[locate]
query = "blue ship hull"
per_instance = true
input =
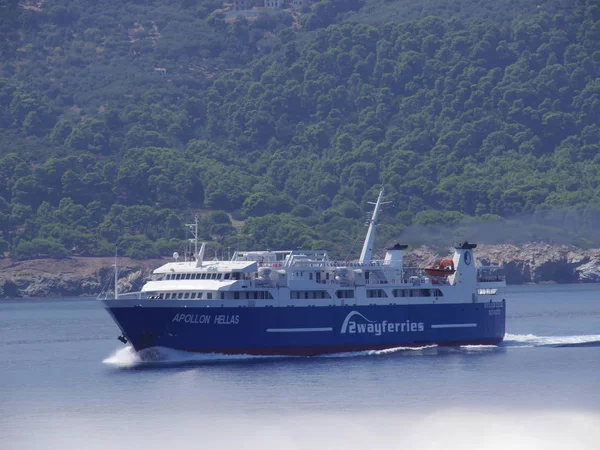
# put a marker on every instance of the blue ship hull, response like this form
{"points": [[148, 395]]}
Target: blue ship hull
{"points": [[309, 331]]}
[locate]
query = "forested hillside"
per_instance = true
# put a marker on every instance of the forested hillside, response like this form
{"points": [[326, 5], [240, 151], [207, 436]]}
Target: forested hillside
{"points": [[121, 120]]}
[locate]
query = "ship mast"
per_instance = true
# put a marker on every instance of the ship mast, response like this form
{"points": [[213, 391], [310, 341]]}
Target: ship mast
{"points": [[367, 250], [194, 228]]}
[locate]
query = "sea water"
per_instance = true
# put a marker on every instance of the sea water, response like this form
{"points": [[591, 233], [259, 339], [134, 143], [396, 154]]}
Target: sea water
{"points": [[67, 383]]}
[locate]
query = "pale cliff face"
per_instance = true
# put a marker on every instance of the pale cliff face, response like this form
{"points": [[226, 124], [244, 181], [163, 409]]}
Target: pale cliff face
{"points": [[77, 276], [528, 263]]}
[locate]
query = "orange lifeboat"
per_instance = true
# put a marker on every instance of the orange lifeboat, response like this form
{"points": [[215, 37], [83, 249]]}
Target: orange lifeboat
{"points": [[443, 269]]}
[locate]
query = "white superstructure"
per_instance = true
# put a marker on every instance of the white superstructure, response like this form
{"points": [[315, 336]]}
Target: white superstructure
{"points": [[311, 278]]}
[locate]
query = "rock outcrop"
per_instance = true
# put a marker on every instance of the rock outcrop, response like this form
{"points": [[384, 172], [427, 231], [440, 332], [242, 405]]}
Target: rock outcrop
{"points": [[528, 263], [70, 277]]}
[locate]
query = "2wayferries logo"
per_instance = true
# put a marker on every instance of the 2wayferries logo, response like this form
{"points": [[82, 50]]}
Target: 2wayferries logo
{"points": [[366, 326]]}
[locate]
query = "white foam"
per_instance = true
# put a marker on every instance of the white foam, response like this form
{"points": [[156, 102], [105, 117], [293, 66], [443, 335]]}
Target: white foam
{"points": [[531, 340], [123, 357], [386, 351], [399, 349], [128, 357], [478, 348]]}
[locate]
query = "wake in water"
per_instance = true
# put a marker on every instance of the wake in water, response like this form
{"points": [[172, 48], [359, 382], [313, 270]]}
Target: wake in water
{"points": [[531, 340], [128, 357], [387, 351]]}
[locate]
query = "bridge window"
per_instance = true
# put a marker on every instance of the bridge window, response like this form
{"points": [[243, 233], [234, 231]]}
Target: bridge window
{"points": [[487, 291], [227, 276], [209, 296]]}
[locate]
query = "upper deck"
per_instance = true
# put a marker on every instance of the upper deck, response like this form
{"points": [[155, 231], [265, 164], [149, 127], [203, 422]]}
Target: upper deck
{"points": [[284, 275]]}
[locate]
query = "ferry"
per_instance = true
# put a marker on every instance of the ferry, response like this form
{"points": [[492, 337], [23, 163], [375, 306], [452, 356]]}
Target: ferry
{"points": [[303, 303]]}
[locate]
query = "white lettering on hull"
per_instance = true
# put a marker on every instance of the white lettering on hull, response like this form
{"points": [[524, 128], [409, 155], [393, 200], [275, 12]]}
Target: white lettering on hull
{"points": [[204, 319], [378, 328]]}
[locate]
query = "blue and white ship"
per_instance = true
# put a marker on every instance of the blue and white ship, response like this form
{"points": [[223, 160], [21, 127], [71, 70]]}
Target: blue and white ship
{"points": [[301, 302]]}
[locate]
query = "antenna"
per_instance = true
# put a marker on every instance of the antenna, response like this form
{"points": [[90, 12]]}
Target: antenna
{"points": [[367, 250], [194, 228]]}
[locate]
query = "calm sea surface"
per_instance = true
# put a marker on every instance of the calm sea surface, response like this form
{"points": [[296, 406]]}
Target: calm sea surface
{"points": [[66, 382]]}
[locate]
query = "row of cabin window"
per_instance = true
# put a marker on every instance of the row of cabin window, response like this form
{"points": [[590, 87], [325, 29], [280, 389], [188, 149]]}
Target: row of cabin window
{"points": [[204, 276], [183, 295], [261, 295], [294, 295], [417, 293], [252, 295], [380, 293], [248, 295]]}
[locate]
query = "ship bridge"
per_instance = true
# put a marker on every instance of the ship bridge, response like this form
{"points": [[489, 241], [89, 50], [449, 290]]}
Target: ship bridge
{"points": [[193, 267]]}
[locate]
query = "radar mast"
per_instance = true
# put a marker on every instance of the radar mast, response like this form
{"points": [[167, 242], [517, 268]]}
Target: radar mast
{"points": [[194, 228], [367, 250]]}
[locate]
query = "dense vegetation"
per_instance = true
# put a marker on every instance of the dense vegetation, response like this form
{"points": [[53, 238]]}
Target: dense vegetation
{"points": [[120, 121]]}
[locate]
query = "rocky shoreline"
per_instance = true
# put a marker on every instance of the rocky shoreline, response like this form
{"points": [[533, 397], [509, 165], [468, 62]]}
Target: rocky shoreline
{"points": [[532, 263], [79, 276]]}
